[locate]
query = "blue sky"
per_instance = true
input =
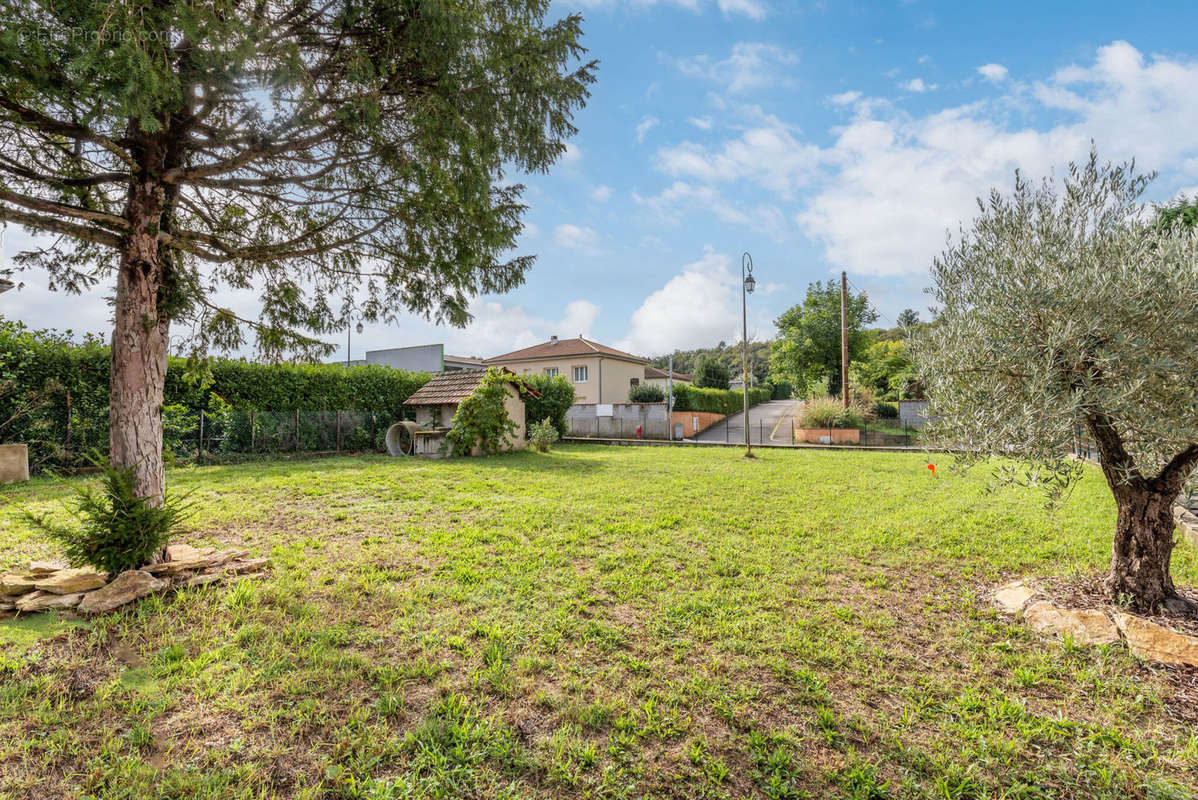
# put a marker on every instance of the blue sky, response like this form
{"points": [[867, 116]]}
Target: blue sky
{"points": [[817, 136]]}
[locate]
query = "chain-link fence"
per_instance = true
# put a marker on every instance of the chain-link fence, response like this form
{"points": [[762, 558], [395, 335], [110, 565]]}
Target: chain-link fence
{"points": [[238, 432], [895, 433]]}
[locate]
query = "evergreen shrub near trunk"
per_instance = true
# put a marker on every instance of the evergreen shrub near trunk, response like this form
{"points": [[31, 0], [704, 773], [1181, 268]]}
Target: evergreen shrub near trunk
{"points": [[1066, 311]]}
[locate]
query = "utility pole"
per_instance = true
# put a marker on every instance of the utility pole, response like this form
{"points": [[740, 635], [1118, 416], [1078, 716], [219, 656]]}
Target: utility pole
{"points": [[670, 398], [844, 338]]}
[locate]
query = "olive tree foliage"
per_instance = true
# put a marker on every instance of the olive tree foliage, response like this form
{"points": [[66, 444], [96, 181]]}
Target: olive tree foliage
{"points": [[1064, 310]]}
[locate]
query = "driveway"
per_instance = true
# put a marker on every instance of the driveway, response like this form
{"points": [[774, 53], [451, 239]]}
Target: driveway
{"points": [[765, 420]]}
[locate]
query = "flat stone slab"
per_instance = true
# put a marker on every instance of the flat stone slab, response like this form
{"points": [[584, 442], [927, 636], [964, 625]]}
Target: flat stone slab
{"points": [[1153, 642], [1083, 625], [127, 587], [44, 601], [1012, 597], [69, 581], [12, 585], [43, 568]]}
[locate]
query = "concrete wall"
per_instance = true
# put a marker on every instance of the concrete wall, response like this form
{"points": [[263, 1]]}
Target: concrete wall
{"points": [[913, 412], [14, 463], [616, 377], [620, 420]]}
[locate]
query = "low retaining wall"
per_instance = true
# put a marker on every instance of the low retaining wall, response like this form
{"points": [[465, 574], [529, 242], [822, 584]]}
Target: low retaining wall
{"points": [[621, 420], [828, 435]]}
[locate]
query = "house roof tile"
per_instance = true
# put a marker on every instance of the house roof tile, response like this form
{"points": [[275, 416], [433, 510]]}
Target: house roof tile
{"points": [[565, 348], [654, 372]]}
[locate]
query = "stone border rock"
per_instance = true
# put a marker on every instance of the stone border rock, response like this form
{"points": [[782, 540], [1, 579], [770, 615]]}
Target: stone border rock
{"points": [[1091, 626], [49, 585]]}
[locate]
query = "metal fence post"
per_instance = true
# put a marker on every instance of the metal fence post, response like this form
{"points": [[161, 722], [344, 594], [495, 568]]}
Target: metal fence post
{"points": [[200, 445], [297, 437], [253, 430], [338, 431]]}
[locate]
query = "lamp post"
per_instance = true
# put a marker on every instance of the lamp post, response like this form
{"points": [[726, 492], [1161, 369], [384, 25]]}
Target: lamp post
{"points": [[748, 284], [348, 333]]}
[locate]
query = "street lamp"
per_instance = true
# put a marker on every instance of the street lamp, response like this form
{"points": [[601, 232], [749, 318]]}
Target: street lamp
{"points": [[347, 341], [748, 284]]}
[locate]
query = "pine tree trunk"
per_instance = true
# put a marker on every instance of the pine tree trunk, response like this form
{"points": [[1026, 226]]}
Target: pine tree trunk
{"points": [[1139, 576], [139, 349]]}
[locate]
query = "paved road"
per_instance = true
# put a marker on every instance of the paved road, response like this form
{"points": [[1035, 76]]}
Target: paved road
{"points": [[763, 419]]}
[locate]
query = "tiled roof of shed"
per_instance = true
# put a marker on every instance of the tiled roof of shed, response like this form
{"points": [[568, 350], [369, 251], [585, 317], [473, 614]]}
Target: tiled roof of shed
{"points": [[654, 372], [454, 387]]}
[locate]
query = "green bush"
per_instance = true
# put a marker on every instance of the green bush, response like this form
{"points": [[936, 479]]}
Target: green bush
{"points": [[116, 531], [557, 395], [542, 434], [712, 374], [71, 418], [886, 411], [646, 393], [826, 412], [717, 401]]}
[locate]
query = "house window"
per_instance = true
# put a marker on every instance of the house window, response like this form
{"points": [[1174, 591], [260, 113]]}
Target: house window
{"points": [[634, 381], [552, 372], [580, 374]]}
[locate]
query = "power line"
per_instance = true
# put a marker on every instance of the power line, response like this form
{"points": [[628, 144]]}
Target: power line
{"points": [[875, 309]]}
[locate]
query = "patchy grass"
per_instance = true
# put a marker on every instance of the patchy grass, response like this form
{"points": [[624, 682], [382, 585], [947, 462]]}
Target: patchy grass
{"points": [[596, 623]]}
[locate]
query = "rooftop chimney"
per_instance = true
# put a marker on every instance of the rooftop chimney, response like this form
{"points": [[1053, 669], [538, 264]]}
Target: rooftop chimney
{"points": [[552, 340]]}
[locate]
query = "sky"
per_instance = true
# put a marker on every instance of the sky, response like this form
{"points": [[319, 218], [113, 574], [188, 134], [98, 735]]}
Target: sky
{"points": [[817, 136]]}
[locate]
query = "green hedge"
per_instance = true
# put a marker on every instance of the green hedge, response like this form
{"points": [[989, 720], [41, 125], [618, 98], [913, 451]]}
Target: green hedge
{"points": [[718, 401], [55, 391]]}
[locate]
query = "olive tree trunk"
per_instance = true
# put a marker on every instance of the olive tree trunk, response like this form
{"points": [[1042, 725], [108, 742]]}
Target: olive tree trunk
{"points": [[1139, 575], [139, 348]]}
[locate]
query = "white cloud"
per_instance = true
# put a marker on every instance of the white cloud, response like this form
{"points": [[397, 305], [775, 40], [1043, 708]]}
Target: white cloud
{"points": [[644, 126], [753, 9], [897, 182], [845, 98], [601, 193], [918, 85], [497, 328], [572, 155], [670, 204], [574, 237], [667, 320], [749, 66], [702, 123], [768, 153], [993, 72]]}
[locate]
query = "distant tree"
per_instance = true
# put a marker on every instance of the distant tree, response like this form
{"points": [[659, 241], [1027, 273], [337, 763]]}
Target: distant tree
{"points": [[808, 345], [887, 368], [712, 374], [907, 317], [1181, 213], [1065, 312], [336, 158]]}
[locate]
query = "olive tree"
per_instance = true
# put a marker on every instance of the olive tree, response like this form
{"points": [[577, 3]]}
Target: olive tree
{"points": [[1065, 312], [331, 158]]}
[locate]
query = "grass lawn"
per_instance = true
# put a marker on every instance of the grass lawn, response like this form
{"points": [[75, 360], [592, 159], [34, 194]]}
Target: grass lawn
{"points": [[598, 622]]}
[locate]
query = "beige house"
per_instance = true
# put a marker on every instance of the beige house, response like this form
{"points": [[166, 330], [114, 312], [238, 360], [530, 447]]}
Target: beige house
{"points": [[661, 377], [437, 401], [600, 374]]}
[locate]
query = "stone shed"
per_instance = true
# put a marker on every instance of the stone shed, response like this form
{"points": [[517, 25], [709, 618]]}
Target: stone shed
{"points": [[437, 401]]}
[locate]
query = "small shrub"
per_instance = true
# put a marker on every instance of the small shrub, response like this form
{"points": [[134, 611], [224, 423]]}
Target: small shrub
{"points": [[646, 393], [116, 531], [542, 434], [826, 412], [886, 411]]}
